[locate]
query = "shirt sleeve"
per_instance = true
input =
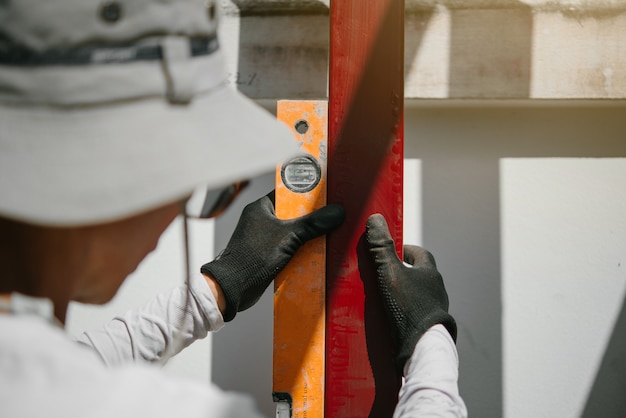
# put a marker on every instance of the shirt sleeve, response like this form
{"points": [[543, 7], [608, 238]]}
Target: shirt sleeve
{"points": [[160, 329], [430, 387]]}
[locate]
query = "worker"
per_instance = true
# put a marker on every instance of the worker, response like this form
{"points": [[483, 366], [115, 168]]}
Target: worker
{"points": [[115, 118]]}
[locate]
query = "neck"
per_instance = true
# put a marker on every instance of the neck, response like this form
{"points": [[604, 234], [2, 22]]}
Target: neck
{"points": [[37, 262]]}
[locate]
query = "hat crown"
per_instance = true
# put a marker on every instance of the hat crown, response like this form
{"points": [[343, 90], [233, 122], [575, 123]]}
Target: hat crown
{"points": [[52, 24], [109, 108]]}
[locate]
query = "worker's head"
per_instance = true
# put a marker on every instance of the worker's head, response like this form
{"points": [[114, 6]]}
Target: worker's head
{"points": [[109, 108], [112, 112]]}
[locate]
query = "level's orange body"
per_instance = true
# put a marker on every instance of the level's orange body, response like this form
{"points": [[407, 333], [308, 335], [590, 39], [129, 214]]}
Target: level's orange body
{"points": [[300, 289]]}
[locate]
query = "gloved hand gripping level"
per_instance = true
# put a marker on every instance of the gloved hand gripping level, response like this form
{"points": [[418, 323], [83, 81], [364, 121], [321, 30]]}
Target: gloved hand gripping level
{"points": [[261, 247]]}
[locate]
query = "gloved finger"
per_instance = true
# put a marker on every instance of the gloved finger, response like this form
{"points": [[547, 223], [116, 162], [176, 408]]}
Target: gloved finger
{"points": [[380, 242], [319, 222], [418, 256], [264, 204]]}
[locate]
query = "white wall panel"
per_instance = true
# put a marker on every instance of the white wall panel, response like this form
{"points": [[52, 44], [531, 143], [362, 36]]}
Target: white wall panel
{"points": [[563, 279]]}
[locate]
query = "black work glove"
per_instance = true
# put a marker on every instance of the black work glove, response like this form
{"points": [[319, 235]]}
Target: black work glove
{"points": [[261, 247], [414, 297]]}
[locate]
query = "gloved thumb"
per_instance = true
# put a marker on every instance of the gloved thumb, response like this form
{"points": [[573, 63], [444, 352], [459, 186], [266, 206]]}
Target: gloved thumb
{"points": [[379, 240], [320, 222], [418, 257]]}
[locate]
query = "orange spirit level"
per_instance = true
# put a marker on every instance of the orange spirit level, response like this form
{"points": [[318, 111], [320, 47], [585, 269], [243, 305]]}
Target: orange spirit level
{"points": [[300, 289]]}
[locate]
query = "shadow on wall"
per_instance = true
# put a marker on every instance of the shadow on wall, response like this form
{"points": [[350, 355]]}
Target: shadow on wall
{"points": [[606, 398]]}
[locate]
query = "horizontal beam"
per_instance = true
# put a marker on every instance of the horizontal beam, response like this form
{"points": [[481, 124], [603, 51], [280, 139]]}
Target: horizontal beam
{"points": [[268, 7], [454, 49]]}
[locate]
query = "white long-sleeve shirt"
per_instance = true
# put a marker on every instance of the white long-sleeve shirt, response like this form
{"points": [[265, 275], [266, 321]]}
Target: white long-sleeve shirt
{"points": [[111, 372], [430, 387]]}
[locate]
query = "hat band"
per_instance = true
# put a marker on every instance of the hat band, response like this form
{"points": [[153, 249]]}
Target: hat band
{"points": [[175, 67], [101, 54]]}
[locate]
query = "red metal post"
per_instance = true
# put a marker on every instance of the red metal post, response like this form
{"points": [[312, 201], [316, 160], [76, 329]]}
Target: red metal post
{"points": [[365, 163]]}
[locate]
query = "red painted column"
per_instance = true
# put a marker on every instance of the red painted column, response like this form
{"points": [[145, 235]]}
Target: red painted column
{"points": [[365, 163]]}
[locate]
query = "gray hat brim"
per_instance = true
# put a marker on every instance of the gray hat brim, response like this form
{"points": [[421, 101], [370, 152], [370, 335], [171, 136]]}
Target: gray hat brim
{"points": [[69, 167]]}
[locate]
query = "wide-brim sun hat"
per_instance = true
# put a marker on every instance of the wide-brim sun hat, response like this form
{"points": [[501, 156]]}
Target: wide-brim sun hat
{"points": [[109, 109]]}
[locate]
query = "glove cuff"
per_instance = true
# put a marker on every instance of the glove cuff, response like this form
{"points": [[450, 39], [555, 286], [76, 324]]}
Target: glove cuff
{"points": [[407, 345], [232, 270], [214, 270]]}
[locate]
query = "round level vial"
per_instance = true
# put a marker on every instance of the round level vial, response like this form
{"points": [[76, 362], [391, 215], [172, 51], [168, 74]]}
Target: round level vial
{"points": [[301, 174]]}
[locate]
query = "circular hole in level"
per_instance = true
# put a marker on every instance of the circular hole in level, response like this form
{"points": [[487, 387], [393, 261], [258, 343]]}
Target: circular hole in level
{"points": [[302, 126]]}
